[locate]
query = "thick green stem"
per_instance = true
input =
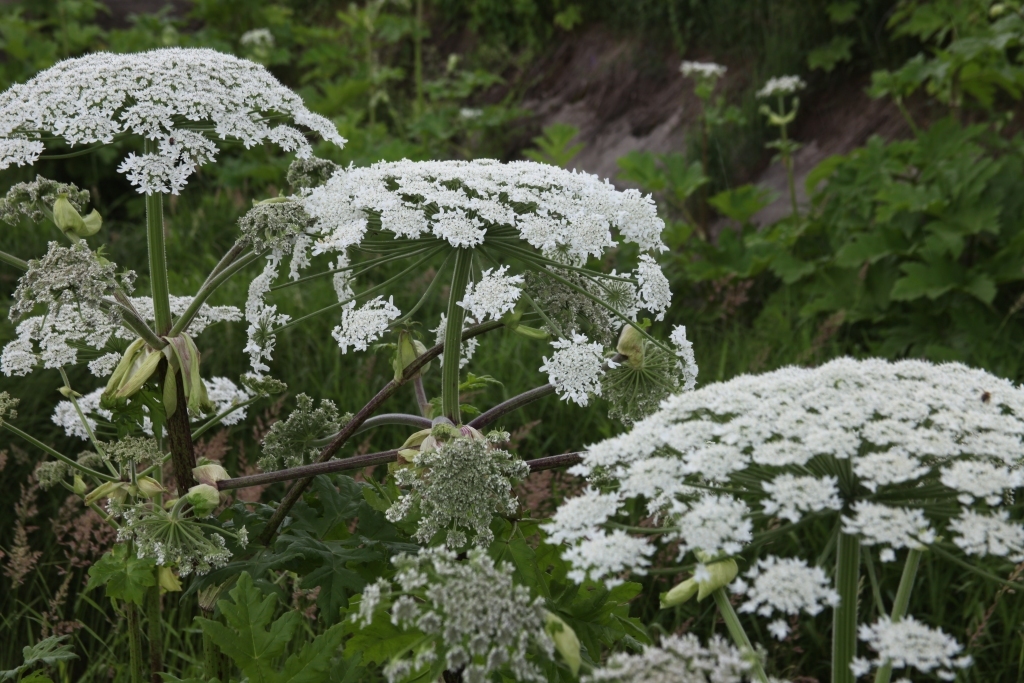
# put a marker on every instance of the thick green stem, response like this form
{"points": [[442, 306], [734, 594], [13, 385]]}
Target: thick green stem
{"points": [[844, 618], [210, 659], [134, 642], [453, 337], [155, 632], [60, 456], [418, 57], [739, 636], [899, 606], [157, 256], [13, 261], [179, 436]]}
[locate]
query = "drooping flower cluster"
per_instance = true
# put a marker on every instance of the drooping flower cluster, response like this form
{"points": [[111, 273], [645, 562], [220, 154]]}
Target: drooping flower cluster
{"points": [[164, 95], [678, 659], [173, 538], [474, 618], [909, 644], [781, 85], [457, 487], [463, 201], [713, 462], [702, 69], [34, 199]]}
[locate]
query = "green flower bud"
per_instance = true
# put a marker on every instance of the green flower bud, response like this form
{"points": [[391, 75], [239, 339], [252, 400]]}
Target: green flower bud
{"points": [[114, 490], [407, 350], [631, 345], [93, 222], [722, 573], [566, 641], [68, 392], [210, 474], [67, 217], [679, 594], [79, 485], [204, 499], [168, 582], [149, 487]]}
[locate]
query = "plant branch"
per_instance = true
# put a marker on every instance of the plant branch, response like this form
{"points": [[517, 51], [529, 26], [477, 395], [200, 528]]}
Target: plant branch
{"points": [[451, 359], [60, 456], [844, 616], [739, 636], [511, 405], [357, 421], [369, 460], [13, 260], [204, 293]]}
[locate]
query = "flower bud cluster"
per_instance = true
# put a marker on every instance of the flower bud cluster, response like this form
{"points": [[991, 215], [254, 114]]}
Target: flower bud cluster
{"points": [[34, 199], [288, 443]]}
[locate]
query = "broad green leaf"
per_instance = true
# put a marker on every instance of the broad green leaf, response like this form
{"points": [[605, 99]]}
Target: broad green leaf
{"points": [[125, 576], [327, 567], [827, 56], [379, 641], [789, 268], [741, 203], [251, 638], [554, 145], [930, 280], [46, 652]]}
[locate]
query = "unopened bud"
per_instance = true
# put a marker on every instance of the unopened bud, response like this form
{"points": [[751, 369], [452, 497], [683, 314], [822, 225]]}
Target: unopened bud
{"points": [[79, 485], [720, 574], [115, 490], [566, 641], [631, 345], [680, 594], [407, 351], [66, 216], [149, 487], [68, 392], [204, 499], [167, 581], [210, 474]]}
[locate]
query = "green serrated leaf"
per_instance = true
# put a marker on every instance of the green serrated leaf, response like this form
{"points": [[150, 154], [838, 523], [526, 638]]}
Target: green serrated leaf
{"points": [[125, 576], [826, 57], [46, 652], [327, 566]]}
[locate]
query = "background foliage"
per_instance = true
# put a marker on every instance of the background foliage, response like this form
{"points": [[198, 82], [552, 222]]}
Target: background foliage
{"points": [[908, 248]]}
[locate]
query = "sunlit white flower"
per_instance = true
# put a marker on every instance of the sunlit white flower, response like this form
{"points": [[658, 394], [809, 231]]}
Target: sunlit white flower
{"points": [[105, 364], [580, 516], [994, 534], [655, 292], [607, 555], [702, 69], [785, 585], [575, 368], [493, 296], [678, 659], [97, 97], [360, 326], [909, 644], [781, 85], [791, 496], [891, 527], [225, 394]]}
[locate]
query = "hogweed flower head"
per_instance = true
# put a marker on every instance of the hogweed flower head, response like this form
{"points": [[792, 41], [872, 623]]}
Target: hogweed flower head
{"points": [[169, 95], [781, 85], [173, 537], [707, 70], [493, 296], [472, 615], [909, 644], [457, 486], [715, 464], [33, 200], [575, 368], [360, 326]]}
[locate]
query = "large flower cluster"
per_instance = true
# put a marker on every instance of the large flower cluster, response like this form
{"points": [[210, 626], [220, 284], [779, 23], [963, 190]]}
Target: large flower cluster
{"points": [[461, 201], [174, 96], [909, 644], [474, 618], [575, 368], [928, 451], [172, 538]]}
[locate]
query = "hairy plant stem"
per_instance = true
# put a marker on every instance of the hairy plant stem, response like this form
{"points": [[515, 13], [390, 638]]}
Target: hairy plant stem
{"points": [[131, 612], [210, 658], [379, 421], [13, 261], [155, 631], [357, 421], [738, 635], [899, 605], [179, 435], [452, 356], [844, 617], [512, 404]]}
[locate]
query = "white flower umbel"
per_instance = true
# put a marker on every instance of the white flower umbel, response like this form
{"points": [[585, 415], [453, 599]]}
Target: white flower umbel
{"points": [[580, 515], [702, 69], [105, 364], [493, 296], [168, 95], [781, 85], [909, 644], [262, 319], [908, 433], [678, 659], [575, 368], [608, 556], [360, 326], [463, 201], [225, 394], [466, 613], [66, 417], [785, 585], [684, 350]]}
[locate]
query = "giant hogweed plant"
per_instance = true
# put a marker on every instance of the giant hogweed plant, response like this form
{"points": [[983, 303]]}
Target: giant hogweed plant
{"points": [[518, 246]]}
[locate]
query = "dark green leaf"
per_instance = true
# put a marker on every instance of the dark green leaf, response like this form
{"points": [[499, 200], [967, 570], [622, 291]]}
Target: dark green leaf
{"points": [[125, 576]]}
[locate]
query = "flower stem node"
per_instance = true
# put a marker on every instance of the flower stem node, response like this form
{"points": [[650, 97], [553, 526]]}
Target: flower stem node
{"points": [[68, 392], [79, 485], [204, 499], [567, 643], [114, 490], [706, 580], [149, 487]]}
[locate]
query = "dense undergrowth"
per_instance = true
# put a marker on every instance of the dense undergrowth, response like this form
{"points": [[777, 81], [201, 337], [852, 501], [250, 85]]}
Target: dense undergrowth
{"points": [[908, 248]]}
